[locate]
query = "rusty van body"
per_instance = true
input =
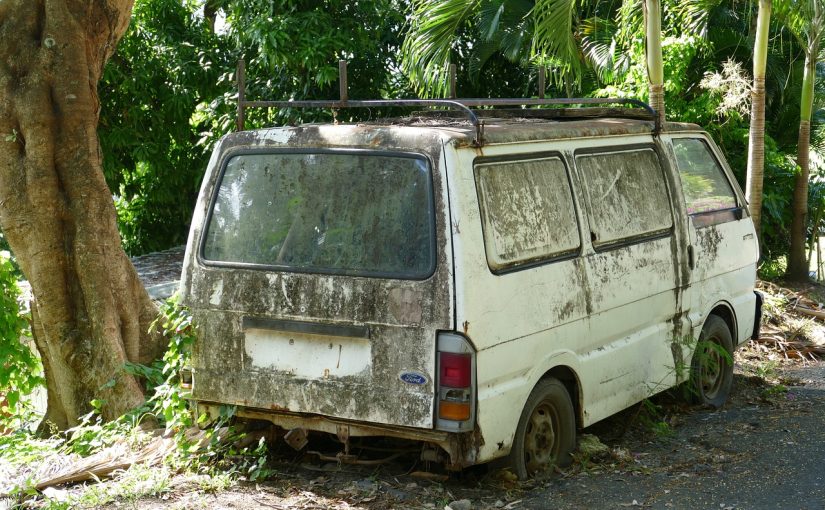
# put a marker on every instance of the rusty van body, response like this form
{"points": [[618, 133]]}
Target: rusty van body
{"points": [[485, 299]]}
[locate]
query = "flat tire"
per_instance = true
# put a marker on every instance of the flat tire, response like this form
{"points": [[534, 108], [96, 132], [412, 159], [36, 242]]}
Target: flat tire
{"points": [[546, 433], [711, 369]]}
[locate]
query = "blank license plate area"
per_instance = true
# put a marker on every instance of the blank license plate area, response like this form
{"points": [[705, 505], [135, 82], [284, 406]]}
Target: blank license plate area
{"points": [[307, 355]]}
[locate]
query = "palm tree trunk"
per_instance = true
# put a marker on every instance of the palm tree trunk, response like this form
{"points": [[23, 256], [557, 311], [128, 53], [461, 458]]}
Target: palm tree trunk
{"points": [[756, 141], [797, 262], [655, 64]]}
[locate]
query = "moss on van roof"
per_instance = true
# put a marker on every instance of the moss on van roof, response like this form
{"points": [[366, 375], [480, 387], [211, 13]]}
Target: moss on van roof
{"points": [[418, 131]]}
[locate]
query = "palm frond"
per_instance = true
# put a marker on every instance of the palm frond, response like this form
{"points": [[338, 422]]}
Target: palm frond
{"points": [[507, 22], [630, 21], [693, 16], [482, 52], [553, 38], [805, 19], [425, 52], [608, 59]]}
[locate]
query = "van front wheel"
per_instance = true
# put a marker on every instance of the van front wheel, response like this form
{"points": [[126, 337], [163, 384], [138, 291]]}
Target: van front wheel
{"points": [[546, 433], [711, 371]]}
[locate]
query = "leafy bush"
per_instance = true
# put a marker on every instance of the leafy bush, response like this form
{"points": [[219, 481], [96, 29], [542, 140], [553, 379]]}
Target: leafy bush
{"points": [[21, 371]]}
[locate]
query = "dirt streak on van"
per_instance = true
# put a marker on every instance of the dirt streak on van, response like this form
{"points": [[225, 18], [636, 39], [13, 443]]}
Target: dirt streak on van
{"points": [[394, 279]]}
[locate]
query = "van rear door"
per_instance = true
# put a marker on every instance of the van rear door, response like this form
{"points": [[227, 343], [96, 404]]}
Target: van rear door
{"points": [[319, 282]]}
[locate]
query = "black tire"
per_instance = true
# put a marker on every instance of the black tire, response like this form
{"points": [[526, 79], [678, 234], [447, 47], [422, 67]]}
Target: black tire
{"points": [[546, 433], [711, 370]]}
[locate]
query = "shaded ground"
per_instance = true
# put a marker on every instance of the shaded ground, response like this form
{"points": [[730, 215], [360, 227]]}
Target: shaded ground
{"points": [[764, 449]]}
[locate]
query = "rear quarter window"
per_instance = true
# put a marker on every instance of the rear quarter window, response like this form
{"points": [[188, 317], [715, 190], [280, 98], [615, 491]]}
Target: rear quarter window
{"points": [[704, 184], [527, 209]]}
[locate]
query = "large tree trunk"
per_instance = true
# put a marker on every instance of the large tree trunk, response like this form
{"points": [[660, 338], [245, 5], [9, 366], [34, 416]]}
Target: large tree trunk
{"points": [[797, 263], [91, 313], [756, 140], [655, 63]]}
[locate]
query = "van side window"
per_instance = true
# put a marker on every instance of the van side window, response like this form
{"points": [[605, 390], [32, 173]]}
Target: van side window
{"points": [[527, 211], [704, 183], [626, 195]]}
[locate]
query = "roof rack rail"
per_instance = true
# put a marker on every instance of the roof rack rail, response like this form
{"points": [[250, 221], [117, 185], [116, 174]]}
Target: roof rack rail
{"points": [[462, 105]]}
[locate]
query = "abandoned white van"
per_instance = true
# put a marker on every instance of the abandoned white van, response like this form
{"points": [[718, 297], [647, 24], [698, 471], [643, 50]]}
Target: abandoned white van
{"points": [[483, 285]]}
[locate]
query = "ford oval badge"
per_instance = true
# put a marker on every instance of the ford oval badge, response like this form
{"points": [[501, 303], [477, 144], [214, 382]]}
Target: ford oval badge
{"points": [[413, 378]]}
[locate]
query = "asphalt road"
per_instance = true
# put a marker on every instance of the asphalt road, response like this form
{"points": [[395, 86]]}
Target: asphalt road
{"points": [[752, 454]]}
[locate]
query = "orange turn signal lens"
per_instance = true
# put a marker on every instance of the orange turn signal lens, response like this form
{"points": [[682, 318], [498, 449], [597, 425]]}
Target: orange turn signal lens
{"points": [[458, 411]]}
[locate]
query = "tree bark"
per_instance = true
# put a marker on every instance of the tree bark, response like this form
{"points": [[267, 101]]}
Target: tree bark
{"points": [[90, 311], [797, 262], [756, 140], [210, 12]]}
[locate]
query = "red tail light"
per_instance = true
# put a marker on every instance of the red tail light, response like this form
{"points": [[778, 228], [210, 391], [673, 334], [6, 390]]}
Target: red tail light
{"points": [[456, 386], [456, 370]]}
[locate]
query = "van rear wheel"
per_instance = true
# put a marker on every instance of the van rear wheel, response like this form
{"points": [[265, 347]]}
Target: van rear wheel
{"points": [[711, 370], [546, 433]]}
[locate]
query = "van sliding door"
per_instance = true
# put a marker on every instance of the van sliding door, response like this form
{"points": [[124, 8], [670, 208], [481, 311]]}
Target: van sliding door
{"points": [[632, 274]]}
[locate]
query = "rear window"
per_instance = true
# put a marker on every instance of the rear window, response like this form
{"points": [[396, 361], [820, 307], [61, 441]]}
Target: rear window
{"points": [[353, 213]]}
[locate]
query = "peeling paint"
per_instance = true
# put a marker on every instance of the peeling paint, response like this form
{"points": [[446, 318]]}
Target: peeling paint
{"points": [[217, 293]]}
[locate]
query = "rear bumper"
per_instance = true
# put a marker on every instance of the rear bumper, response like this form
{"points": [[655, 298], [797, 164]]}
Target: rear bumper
{"points": [[757, 321], [461, 448]]}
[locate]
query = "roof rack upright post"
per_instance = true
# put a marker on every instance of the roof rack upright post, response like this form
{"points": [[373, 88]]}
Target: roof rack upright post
{"points": [[342, 82], [241, 77]]}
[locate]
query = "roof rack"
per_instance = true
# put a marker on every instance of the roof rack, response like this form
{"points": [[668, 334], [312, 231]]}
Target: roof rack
{"points": [[638, 110]]}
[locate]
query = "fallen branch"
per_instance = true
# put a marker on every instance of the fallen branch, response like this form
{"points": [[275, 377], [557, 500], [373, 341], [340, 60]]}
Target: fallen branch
{"points": [[63, 469], [819, 314]]}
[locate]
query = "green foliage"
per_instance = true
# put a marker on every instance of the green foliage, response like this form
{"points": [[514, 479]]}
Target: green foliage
{"points": [[4, 246], [165, 69], [21, 371], [772, 269], [211, 452], [169, 401], [169, 93], [291, 53], [168, 405], [653, 418]]}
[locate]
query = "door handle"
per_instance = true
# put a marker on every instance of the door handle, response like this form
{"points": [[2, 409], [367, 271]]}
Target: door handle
{"points": [[691, 260]]}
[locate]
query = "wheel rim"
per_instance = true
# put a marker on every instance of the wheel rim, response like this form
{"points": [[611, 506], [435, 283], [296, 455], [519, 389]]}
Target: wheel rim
{"points": [[541, 445], [712, 372]]}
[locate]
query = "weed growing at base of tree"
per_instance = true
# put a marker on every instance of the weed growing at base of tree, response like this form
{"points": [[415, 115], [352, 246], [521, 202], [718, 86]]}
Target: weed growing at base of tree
{"points": [[210, 455], [168, 407]]}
